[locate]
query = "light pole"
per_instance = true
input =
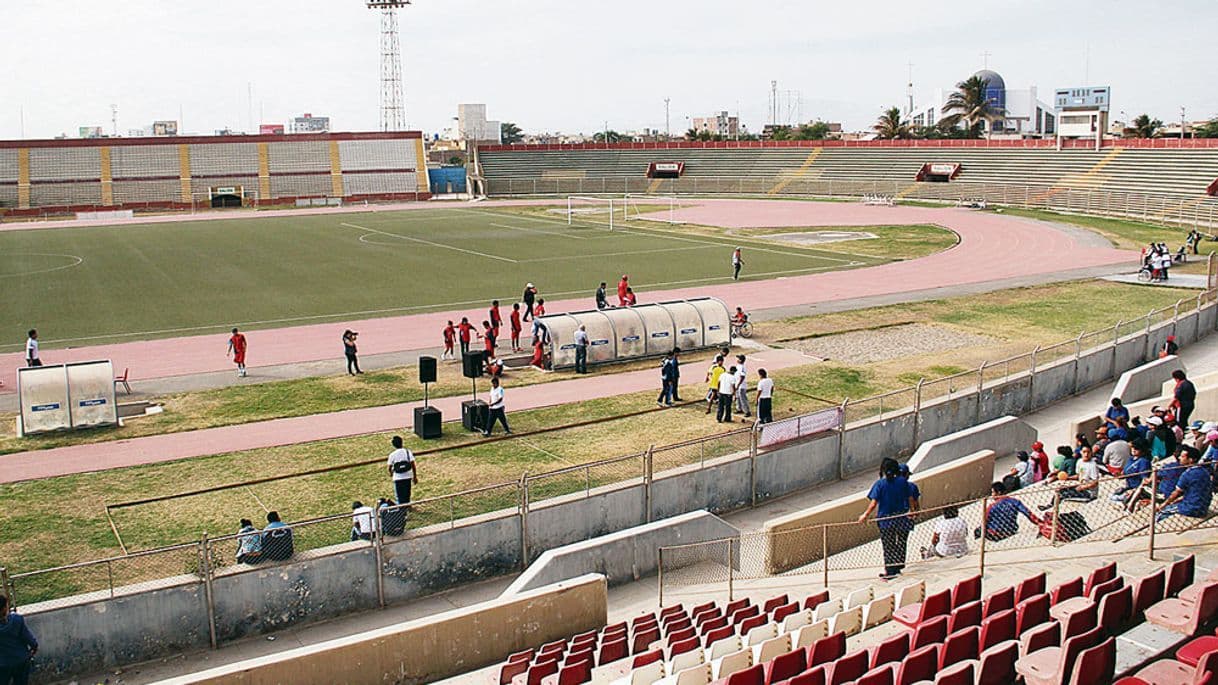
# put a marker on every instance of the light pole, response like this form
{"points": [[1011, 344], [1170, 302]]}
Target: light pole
{"points": [[667, 128], [1181, 123]]}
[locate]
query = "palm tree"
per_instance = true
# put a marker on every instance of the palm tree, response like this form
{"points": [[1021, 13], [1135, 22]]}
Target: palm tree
{"points": [[1207, 130], [510, 133], [691, 134], [1143, 126], [970, 105], [890, 125]]}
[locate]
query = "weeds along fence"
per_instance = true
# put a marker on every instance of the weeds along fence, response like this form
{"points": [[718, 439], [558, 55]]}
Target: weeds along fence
{"points": [[1069, 367], [1167, 209], [1037, 524]]}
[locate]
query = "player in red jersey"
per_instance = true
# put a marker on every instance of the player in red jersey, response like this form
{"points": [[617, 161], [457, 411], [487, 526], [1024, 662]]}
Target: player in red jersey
{"points": [[450, 337], [631, 300], [540, 308], [516, 326], [236, 347], [488, 336], [622, 286], [464, 331], [495, 317]]}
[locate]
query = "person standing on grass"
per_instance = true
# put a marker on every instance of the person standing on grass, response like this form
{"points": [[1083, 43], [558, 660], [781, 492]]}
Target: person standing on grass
{"points": [[676, 375], [602, 301], [17, 646], [665, 398], [236, 348], [891, 498], [403, 469], [581, 349], [31, 349], [498, 411], [528, 297], [712, 382], [465, 331], [350, 349], [727, 393], [742, 387], [450, 337], [765, 397], [622, 286], [737, 262], [516, 326], [495, 317]]}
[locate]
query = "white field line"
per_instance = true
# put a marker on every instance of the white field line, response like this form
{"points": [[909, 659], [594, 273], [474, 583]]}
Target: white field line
{"points": [[613, 254], [534, 230], [428, 242]]}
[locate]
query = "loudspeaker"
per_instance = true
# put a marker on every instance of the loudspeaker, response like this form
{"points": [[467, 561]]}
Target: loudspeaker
{"points": [[475, 414], [427, 369], [427, 421], [471, 364]]}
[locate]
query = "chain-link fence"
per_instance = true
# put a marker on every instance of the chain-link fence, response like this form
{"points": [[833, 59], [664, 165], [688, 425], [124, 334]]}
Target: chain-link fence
{"points": [[584, 479], [105, 578], [699, 452]]}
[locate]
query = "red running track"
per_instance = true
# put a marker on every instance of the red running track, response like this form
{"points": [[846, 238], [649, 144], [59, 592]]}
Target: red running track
{"points": [[991, 248]]}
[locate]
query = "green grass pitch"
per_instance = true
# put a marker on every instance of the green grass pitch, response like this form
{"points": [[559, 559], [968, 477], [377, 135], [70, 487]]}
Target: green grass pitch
{"points": [[105, 284]]}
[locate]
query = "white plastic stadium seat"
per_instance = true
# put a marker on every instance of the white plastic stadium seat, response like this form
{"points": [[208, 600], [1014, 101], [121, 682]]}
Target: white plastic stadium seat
{"points": [[812, 632], [733, 663], [878, 611], [859, 597], [760, 634], [771, 648], [849, 622], [689, 659], [911, 594], [724, 647], [697, 675], [828, 609], [796, 620]]}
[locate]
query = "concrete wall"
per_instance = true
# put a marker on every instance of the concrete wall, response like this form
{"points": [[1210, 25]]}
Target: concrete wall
{"points": [[419, 565], [864, 446], [432, 648], [798, 466], [795, 540], [1143, 382], [624, 556], [1004, 436]]}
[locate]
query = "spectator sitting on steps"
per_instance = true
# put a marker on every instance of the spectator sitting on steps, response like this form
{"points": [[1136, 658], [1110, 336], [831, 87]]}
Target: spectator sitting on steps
{"points": [[1002, 516], [249, 544], [276, 539]]}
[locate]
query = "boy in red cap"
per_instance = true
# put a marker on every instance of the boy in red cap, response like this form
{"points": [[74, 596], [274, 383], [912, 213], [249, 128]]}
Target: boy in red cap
{"points": [[1040, 460]]}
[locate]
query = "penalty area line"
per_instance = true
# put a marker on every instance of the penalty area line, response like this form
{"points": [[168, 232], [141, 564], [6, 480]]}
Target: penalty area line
{"points": [[428, 242]]}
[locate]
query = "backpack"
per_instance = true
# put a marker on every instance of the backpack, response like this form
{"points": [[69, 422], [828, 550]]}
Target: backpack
{"points": [[1071, 527], [1011, 483], [277, 543], [403, 466], [393, 521]]}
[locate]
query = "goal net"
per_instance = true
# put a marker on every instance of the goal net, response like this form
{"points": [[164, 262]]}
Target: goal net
{"points": [[591, 210], [661, 208]]}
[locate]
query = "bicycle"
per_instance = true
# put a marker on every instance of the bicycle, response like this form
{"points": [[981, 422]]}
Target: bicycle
{"points": [[743, 329]]}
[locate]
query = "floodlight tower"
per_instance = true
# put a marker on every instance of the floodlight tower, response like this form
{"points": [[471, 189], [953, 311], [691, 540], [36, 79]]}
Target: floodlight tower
{"points": [[393, 110]]}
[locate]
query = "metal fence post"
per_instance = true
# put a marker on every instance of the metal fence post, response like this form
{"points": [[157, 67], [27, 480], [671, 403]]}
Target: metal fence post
{"points": [[205, 570], [1154, 488], [1057, 501], [731, 558], [917, 427], [1116, 343], [378, 545], [1146, 342], [980, 386], [841, 443], [824, 555], [648, 474], [985, 527], [1078, 355], [660, 574], [523, 505], [1175, 316], [1032, 379], [753, 436]]}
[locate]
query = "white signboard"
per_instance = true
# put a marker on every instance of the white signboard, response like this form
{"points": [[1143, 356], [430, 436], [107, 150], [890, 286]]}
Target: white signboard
{"points": [[43, 393], [91, 393]]}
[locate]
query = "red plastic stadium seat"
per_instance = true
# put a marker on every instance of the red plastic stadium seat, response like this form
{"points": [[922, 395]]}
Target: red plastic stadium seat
{"points": [[959, 646], [1041, 637], [1182, 617], [815, 676], [1032, 612], [884, 675], [678, 625], [1053, 665], [612, 650], [1080, 622], [714, 625], [1191, 652], [784, 611], [1030, 587], [938, 604], [997, 664], [643, 639], [1116, 610], [683, 646], [773, 603], [816, 600], [732, 607], [1096, 665], [967, 590], [576, 673], [718, 634], [741, 614], [707, 615], [931, 632], [1148, 590], [511, 669], [964, 616], [647, 658], [754, 675], [643, 622], [998, 628], [1102, 574], [750, 623], [849, 668], [999, 601], [1172, 672], [1180, 575], [1068, 589], [680, 636], [826, 649], [786, 666], [541, 670], [919, 665], [960, 674], [671, 611], [890, 651]]}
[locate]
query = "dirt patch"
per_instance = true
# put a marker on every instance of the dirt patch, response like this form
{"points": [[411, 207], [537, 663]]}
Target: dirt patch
{"points": [[821, 237], [893, 342]]}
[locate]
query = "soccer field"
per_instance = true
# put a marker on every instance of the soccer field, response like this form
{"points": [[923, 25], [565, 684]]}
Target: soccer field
{"points": [[94, 285]]}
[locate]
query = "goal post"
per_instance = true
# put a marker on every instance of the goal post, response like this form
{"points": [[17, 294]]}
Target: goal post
{"points": [[637, 207], [599, 210]]}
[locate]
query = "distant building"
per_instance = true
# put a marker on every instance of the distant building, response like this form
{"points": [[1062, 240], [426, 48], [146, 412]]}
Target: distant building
{"points": [[90, 132], [307, 123], [720, 124], [473, 126], [1024, 115], [164, 128], [271, 129]]}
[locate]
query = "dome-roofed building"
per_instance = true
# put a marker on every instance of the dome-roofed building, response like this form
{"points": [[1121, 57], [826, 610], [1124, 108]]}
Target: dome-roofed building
{"points": [[1023, 114]]}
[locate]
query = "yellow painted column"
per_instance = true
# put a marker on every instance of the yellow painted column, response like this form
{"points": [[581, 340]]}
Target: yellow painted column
{"points": [[107, 178], [23, 178], [184, 171], [264, 172], [422, 184], [336, 170]]}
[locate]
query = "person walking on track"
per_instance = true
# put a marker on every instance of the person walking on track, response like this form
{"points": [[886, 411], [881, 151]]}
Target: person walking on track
{"points": [[31, 349], [528, 297], [236, 348], [737, 262]]}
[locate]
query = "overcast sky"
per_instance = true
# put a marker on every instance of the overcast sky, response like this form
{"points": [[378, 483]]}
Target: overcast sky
{"points": [[569, 65]]}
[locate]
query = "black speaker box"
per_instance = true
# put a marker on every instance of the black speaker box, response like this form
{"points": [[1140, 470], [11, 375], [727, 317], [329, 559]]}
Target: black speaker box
{"points": [[472, 364], [427, 369], [475, 414], [427, 422]]}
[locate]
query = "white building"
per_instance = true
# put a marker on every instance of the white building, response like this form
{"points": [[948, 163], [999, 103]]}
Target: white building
{"points": [[310, 124], [721, 124], [472, 125], [1024, 114]]}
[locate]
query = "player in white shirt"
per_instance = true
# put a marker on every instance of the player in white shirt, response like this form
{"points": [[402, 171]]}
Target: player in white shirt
{"points": [[497, 409], [727, 393], [31, 349], [742, 387], [765, 397], [404, 470]]}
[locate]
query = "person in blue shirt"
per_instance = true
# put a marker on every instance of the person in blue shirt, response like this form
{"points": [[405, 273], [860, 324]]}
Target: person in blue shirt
{"points": [[1135, 469], [249, 544], [1168, 474], [1002, 516], [1117, 411], [276, 539], [891, 499], [17, 646], [1194, 491]]}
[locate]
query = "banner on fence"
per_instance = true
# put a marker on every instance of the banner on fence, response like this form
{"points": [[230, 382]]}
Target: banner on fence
{"points": [[800, 427]]}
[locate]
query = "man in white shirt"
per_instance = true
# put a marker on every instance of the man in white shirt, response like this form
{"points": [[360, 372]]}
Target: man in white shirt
{"points": [[31, 349], [361, 521], [404, 470], [727, 393], [765, 397], [497, 409], [742, 387], [951, 536], [581, 350]]}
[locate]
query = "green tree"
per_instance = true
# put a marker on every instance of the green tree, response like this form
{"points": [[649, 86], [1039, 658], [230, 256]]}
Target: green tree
{"points": [[610, 136], [1143, 126], [691, 134], [781, 133], [1207, 130], [817, 130], [510, 133], [890, 125], [970, 106]]}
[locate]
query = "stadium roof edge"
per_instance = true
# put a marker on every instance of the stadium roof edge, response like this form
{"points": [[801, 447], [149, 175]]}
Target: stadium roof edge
{"points": [[208, 140], [1042, 144]]}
